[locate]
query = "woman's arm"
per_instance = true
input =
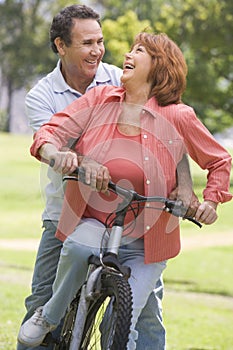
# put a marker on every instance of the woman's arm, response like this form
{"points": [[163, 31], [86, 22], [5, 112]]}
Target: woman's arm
{"points": [[209, 155]]}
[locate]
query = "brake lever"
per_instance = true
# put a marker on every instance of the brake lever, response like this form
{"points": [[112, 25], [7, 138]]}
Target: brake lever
{"points": [[177, 209], [189, 218]]}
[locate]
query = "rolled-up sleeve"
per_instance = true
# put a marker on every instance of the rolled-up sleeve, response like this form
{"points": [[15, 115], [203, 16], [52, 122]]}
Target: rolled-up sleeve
{"points": [[209, 155], [62, 127], [71, 122]]}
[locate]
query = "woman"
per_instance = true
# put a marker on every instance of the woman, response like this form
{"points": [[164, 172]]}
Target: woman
{"points": [[138, 135]]}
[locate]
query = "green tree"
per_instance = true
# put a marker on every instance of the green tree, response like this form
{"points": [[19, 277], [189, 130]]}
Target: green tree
{"points": [[203, 30], [24, 45], [113, 9], [120, 34]]}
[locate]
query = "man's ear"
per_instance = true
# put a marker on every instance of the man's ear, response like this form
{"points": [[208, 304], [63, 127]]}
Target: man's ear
{"points": [[60, 45]]}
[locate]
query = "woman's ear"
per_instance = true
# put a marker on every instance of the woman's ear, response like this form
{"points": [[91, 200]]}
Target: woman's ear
{"points": [[60, 45]]}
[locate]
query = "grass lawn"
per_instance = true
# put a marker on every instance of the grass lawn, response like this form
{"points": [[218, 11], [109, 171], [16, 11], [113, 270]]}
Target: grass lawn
{"points": [[198, 321], [15, 278], [198, 301]]}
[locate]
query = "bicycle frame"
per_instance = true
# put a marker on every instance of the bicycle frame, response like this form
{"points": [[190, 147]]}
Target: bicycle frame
{"points": [[108, 262], [87, 290]]}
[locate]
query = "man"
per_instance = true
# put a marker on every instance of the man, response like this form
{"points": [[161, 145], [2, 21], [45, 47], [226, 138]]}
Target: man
{"points": [[77, 38]]}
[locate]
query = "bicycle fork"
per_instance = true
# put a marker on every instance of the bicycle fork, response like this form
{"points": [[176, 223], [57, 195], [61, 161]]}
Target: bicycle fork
{"points": [[92, 276], [85, 297]]}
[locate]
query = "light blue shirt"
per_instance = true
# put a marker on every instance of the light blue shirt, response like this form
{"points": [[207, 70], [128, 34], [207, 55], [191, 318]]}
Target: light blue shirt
{"points": [[49, 96]]}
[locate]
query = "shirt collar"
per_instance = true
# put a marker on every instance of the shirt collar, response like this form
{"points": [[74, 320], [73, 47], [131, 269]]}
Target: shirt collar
{"points": [[101, 77], [151, 107], [60, 85]]}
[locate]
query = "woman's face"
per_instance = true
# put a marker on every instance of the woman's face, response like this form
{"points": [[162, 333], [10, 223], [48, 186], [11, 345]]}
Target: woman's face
{"points": [[137, 65]]}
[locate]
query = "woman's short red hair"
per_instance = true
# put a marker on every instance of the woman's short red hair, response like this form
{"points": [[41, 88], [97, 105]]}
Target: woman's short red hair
{"points": [[169, 69]]}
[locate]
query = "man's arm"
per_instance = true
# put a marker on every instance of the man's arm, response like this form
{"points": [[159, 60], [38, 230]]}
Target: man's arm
{"points": [[184, 189]]}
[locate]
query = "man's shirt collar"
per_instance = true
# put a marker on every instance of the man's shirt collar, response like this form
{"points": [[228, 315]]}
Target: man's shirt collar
{"points": [[60, 85]]}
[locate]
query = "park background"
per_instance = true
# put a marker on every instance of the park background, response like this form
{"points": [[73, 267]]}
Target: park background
{"points": [[198, 302]]}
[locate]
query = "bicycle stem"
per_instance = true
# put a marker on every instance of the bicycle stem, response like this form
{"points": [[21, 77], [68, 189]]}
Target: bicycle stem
{"points": [[117, 229], [114, 240]]}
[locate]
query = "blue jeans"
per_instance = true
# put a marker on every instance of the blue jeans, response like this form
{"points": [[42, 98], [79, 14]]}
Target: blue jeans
{"points": [[151, 331], [142, 281], [150, 327]]}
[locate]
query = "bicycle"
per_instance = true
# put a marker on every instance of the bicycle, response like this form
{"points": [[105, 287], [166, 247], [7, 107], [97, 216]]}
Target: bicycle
{"points": [[99, 317]]}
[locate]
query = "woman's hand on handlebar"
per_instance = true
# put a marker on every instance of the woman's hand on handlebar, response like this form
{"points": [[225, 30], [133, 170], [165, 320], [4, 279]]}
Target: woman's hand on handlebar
{"points": [[96, 175]]}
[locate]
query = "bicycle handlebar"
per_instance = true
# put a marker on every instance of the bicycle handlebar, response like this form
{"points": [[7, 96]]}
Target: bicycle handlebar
{"points": [[174, 207]]}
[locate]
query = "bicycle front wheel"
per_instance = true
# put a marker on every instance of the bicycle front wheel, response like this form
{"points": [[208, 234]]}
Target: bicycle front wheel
{"points": [[109, 315], [68, 325]]}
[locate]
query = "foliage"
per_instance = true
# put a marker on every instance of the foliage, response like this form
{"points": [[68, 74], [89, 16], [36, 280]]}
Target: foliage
{"points": [[204, 31], [24, 43], [115, 8], [120, 34], [24, 38]]}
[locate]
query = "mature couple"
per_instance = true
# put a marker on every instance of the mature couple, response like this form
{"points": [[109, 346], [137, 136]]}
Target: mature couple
{"points": [[134, 126]]}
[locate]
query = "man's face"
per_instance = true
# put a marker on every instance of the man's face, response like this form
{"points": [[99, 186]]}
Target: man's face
{"points": [[82, 57]]}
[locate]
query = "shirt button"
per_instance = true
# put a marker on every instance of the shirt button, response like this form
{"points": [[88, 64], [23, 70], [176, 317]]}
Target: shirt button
{"points": [[147, 227], [147, 182], [170, 142], [146, 158], [145, 136], [147, 205]]}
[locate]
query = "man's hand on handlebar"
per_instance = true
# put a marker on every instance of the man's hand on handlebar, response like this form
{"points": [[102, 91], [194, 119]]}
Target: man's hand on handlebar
{"points": [[64, 162], [188, 198], [204, 212]]}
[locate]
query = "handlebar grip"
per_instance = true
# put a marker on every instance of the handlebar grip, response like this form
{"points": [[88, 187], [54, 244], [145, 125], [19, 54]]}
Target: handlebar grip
{"points": [[78, 171]]}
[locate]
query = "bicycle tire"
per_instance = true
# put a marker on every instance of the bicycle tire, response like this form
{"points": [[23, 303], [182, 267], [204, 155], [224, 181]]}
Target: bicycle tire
{"points": [[68, 326], [108, 329]]}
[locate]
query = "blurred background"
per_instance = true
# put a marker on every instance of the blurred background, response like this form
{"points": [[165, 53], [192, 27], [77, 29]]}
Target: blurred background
{"points": [[203, 30], [198, 302]]}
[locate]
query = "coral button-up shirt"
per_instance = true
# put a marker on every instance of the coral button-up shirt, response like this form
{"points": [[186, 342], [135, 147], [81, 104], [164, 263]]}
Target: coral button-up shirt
{"points": [[166, 134]]}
